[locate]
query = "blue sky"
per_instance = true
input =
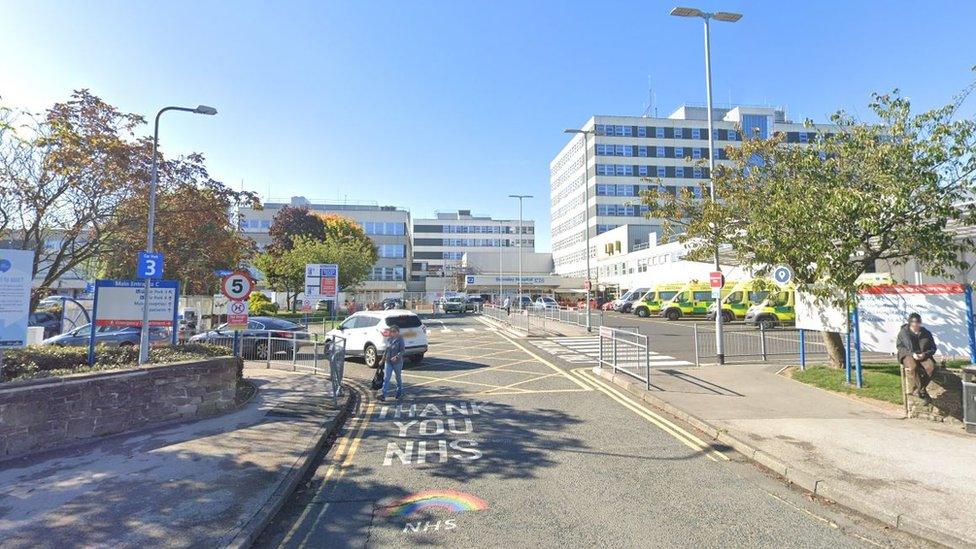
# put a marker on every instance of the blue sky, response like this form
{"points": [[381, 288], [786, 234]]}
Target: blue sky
{"points": [[441, 105]]}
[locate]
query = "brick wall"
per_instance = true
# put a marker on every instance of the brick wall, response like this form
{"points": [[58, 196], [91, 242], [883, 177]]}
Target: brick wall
{"points": [[42, 414]]}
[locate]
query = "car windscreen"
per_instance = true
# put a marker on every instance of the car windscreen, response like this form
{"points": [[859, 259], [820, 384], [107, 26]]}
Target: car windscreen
{"points": [[666, 296], [403, 321]]}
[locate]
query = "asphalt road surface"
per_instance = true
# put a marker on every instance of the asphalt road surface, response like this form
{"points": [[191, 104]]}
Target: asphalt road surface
{"points": [[498, 444]]}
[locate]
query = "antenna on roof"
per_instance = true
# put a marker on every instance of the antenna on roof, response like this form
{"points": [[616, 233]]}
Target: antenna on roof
{"points": [[650, 99]]}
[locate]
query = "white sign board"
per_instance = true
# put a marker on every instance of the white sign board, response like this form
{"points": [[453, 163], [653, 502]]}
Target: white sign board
{"points": [[882, 310], [820, 315], [120, 302], [15, 286], [321, 284]]}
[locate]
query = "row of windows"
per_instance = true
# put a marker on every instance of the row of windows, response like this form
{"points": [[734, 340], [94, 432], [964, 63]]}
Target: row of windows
{"points": [[623, 210], [604, 189], [487, 229], [641, 151], [255, 224], [665, 132], [652, 171], [392, 250], [601, 228], [387, 273], [384, 228]]}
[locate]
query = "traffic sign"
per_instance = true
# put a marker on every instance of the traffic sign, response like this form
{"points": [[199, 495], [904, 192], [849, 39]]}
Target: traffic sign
{"points": [[236, 286], [236, 315], [150, 265], [782, 274], [716, 279]]}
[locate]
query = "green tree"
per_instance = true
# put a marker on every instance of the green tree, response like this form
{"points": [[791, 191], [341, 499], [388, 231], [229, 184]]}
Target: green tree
{"points": [[260, 305], [286, 271], [890, 190], [290, 222]]}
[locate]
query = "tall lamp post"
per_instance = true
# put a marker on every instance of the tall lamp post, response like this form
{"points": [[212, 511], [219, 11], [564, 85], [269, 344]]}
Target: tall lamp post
{"points": [[727, 17], [144, 334], [519, 240], [586, 213]]}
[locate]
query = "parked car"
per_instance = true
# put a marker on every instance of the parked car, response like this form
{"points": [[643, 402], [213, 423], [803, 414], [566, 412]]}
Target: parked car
{"points": [[392, 303], [474, 303], [113, 336], [522, 302], [454, 305], [283, 336], [545, 303], [366, 332]]}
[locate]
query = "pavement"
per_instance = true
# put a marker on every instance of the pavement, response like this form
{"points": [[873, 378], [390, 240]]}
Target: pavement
{"points": [[496, 445], [913, 475], [211, 483]]}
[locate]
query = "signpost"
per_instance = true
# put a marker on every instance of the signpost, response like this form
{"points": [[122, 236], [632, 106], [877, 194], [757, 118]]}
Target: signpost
{"points": [[122, 302], [717, 281], [15, 287], [321, 284], [237, 286]]}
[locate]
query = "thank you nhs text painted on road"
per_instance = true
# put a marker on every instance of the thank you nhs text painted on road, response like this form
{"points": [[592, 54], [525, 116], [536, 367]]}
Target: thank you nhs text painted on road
{"points": [[432, 433]]}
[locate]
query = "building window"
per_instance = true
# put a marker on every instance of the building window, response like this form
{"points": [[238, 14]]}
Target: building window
{"points": [[679, 171], [804, 138], [679, 133], [696, 153], [659, 133], [662, 171], [641, 131], [660, 152], [679, 152], [696, 133], [698, 174]]}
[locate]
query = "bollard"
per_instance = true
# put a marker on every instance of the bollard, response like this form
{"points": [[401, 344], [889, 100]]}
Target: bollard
{"points": [[315, 357], [697, 358], [762, 341], [803, 350], [269, 351], [647, 361], [613, 345]]}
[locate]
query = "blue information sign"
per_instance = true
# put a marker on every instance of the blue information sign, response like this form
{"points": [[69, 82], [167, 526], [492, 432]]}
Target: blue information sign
{"points": [[150, 265]]}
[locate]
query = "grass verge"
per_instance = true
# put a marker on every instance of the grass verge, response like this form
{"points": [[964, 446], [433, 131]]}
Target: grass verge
{"points": [[882, 380]]}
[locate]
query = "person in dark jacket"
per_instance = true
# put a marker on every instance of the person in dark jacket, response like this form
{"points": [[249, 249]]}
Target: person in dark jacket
{"points": [[916, 347], [393, 358]]}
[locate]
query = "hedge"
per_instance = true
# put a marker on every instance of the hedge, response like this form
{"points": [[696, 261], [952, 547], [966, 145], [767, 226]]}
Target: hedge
{"points": [[50, 360]]}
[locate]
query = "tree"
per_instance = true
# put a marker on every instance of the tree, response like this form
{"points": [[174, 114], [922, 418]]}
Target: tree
{"points": [[260, 305], [890, 190], [286, 271], [348, 231], [194, 228], [290, 222], [62, 174]]}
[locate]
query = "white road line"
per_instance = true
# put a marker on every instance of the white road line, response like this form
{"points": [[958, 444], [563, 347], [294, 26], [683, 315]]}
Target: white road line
{"points": [[587, 349]]}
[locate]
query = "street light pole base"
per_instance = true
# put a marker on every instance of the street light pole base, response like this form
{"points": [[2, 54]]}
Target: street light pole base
{"points": [[720, 359]]}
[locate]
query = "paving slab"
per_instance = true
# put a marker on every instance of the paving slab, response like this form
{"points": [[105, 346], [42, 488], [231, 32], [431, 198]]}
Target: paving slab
{"points": [[212, 483], [915, 475]]}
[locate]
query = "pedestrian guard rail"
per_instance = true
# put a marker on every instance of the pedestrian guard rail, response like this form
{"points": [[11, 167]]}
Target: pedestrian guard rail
{"points": [[538, 321], [627, 352], [314, 353], [759, 343]]}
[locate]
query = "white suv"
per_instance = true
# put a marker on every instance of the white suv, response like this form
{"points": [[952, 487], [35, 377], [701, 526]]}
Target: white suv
{"points": [[365, 333]]}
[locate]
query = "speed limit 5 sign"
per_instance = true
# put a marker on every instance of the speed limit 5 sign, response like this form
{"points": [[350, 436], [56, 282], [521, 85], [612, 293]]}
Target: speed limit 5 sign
{"points": [[236, 286]]}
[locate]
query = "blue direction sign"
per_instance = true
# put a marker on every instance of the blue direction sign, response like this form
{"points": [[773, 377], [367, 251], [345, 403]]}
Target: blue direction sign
{"points": [[150, 265], [782, 274], [223, 272]]}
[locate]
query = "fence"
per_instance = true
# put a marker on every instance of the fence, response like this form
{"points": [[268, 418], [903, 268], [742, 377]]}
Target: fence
{"points": [[763, 344], [535, 321], [625, 352], [297, 351]]}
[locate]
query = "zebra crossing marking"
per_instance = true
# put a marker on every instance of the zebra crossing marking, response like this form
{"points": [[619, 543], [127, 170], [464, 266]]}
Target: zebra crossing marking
{"points": [[586, 350]]}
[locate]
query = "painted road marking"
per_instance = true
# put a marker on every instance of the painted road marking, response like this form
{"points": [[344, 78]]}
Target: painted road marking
{"points": [[341, 460], [685, 437], [586, 350], [542, 360]]}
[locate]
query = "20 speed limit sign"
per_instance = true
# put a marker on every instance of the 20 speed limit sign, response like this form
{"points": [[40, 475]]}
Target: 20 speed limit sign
{"points": [[236, 286]]}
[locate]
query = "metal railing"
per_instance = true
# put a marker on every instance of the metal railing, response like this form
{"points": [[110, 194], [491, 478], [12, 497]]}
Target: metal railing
{"points": [[759, 343], [625, 352], [317, 354], [537, 321]]}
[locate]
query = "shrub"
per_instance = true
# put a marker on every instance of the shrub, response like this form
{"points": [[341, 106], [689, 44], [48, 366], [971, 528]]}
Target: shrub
{"points": [[44, 361], [260, 305]]}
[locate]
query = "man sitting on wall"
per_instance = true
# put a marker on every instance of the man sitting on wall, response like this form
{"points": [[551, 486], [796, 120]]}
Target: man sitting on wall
{"points": [[916, 347]]}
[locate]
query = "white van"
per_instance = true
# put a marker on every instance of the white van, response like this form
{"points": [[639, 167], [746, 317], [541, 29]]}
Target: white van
{"points": [[365, 333]]}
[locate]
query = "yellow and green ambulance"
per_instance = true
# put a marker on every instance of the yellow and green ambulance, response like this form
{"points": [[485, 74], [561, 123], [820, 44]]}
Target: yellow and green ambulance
{"points": [[692, 300], [777, 309], [650, 303], [741, 297]]}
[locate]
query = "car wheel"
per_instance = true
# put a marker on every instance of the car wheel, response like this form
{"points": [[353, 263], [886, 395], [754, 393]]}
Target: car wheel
{"points": [[673, 314], [727, 317], [768, 323], [643, 312], [126, 344], [370, 356], [415, 359], [261, 350]]}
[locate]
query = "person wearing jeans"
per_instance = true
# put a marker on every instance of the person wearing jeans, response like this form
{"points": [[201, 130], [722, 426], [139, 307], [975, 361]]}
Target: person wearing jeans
{"points": [[394, 362], [916, 347]]}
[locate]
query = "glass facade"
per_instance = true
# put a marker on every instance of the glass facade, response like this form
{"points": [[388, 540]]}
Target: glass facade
{"points": [[392, 274], [396, 251], [379, 228]]}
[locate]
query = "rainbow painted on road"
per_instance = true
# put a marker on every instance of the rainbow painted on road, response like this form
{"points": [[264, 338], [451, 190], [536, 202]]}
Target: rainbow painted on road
{"points": [[429, 501]]}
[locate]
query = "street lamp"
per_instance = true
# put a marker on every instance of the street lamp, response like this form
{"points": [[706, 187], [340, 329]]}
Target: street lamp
{"points": [[728, 17], [144, 335], [586, 212], [519, 240]]}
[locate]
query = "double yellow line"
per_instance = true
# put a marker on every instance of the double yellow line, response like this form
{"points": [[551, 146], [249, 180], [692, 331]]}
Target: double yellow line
{"points": [[683, 436], [341, 459]]}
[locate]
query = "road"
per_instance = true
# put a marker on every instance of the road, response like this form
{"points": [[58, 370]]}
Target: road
{"points": [[497, 444]]}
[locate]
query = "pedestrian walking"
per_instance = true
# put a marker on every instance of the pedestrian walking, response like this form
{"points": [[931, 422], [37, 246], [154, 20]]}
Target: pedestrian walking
{"points": [[395, 348], [507, 305], [916, 347]]}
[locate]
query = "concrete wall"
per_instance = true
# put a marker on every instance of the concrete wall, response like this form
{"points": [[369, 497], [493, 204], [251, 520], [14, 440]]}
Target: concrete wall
{"points": [[41, 414]]}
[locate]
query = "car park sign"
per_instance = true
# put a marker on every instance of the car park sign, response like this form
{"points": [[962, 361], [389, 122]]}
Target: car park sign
{"points": [[150, 265]]}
